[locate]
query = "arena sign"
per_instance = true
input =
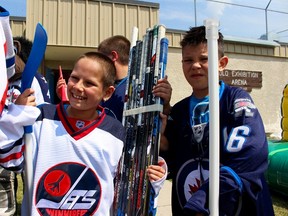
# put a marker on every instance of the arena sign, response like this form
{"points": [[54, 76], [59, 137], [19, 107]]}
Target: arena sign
{"points": [[241, 78]]}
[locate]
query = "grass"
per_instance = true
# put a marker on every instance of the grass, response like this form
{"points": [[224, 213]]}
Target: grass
{"points": [[19, 194], [280, 204]]}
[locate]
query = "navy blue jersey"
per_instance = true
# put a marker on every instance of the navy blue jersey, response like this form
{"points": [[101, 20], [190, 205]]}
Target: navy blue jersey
{"points": [[114, 106], [44, 87], [39, 85], [243, 156]]}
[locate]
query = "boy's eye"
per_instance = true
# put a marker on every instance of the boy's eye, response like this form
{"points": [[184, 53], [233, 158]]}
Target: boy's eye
{"points": [[90, 84], [187, 61], [204, 59], [74, 78]]}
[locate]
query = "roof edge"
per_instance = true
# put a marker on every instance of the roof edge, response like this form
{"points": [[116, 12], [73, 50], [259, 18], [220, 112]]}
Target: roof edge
{"points": [[133, 2], [251, 41]]}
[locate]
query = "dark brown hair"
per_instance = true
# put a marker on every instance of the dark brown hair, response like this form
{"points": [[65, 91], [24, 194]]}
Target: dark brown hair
{"points": [[197, 35]]}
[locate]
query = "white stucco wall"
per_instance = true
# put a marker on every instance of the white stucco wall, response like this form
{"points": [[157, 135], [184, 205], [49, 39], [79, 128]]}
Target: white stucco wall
{"points": [[274, 78]]}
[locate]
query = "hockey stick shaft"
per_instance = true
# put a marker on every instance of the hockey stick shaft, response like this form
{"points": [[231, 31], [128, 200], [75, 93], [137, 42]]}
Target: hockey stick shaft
{"points": [[123, 175], [31, 67]]}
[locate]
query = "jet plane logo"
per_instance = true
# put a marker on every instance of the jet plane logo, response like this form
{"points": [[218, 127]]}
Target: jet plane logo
{"points": [[68, 189]]}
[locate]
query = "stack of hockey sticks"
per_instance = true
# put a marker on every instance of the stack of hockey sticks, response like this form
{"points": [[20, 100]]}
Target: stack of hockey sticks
{"points": [[147, 63]]}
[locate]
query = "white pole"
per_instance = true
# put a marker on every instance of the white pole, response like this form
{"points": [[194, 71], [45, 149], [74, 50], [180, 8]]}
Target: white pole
{"points": [[212, 37], [29, 170]]}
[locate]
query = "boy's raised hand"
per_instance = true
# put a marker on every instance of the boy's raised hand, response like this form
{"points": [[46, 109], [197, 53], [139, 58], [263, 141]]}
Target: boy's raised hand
{"points": [[60, 84], [61, 88]]}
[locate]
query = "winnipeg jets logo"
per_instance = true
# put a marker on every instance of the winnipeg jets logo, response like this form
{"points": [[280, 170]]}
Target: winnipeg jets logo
{"points": [[68, 189], [194, 186], [189, 179]]}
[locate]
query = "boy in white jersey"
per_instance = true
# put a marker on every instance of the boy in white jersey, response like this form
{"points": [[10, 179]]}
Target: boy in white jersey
{"points": [[77, 147]]}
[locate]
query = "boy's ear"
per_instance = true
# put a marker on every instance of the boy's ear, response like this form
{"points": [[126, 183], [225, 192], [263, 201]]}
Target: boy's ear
{"points": [[115, 56], [223, 63], [17, 46], [108, 92]]}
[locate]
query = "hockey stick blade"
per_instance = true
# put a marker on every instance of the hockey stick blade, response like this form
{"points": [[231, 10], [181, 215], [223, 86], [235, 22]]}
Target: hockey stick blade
{"points": [[35, 57], [34, 60]]}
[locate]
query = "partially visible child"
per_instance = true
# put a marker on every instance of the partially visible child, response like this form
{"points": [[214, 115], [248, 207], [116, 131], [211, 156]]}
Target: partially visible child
{"points": [[11, 121], [77, 146], [22, 47]]}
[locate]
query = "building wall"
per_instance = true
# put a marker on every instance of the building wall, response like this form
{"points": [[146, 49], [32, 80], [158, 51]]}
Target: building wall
{"points": [[18, 26], [77, 26], [88, 22]]}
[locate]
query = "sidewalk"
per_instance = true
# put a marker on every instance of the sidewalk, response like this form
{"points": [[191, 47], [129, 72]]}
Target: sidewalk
{"points": [[164, 200]]}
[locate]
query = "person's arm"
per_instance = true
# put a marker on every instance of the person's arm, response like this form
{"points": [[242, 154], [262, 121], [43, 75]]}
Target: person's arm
{"points": [[12, 122], [157, 175]]}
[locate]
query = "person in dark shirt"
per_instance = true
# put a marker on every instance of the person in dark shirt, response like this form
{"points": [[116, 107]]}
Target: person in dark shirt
{"points": [[243, 144]]}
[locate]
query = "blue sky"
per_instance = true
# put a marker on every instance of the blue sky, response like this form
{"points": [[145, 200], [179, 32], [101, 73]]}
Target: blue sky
{"points": [[238, 18], [15, 7]]}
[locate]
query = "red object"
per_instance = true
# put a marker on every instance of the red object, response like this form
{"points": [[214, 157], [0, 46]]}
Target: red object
{"points": [[63, 90]]}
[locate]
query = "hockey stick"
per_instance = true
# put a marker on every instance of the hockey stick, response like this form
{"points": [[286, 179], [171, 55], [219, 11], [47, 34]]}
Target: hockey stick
{"points": [[134, 195], [123, 168], [159, 72], [31, 67]]}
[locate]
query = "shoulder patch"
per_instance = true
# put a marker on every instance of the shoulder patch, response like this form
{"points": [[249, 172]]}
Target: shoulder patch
{"points": [[244, 105]]}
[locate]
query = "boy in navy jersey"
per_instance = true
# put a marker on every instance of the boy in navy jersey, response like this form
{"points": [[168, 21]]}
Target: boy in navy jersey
{"points": [[243, 144], [76, 146]]}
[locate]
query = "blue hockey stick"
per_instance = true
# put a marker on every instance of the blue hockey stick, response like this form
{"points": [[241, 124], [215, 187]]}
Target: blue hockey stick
{"points": [[31, 67]]}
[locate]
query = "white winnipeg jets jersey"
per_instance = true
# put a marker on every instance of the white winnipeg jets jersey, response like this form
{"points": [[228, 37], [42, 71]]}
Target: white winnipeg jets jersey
{"points": [[74, 169]]}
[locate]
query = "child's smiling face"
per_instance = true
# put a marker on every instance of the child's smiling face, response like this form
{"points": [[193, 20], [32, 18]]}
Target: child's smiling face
{"points": [[85, 85]]}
